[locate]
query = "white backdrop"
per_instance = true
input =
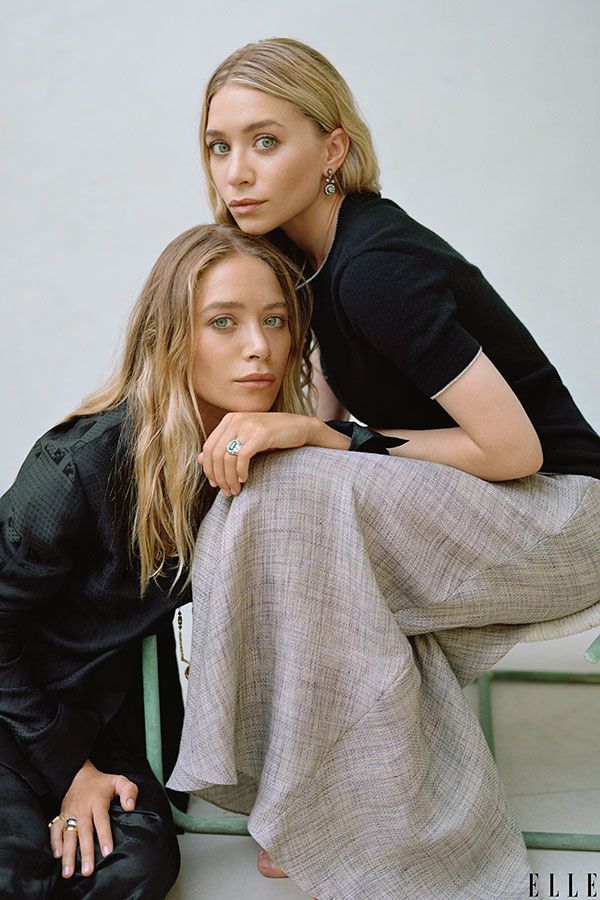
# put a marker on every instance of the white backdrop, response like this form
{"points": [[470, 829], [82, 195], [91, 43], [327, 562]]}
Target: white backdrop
{"points": [[485, 116]]}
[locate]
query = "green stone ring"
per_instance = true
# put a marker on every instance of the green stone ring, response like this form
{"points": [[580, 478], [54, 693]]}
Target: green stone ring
{"points": [[233, 447]]}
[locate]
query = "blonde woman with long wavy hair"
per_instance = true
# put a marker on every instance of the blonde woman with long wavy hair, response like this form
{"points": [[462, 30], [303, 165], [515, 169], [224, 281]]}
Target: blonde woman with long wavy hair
{"points": [[420, 569], [97, 534]]}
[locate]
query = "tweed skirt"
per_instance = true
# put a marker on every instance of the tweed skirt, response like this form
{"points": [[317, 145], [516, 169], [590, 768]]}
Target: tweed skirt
{"points": [[340, 604]]}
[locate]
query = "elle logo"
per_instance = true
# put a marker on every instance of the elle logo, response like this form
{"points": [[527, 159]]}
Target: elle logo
{"points": [[569, 882]]}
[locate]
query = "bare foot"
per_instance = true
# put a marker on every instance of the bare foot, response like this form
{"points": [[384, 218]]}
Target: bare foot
{"points": [[266, 866]]}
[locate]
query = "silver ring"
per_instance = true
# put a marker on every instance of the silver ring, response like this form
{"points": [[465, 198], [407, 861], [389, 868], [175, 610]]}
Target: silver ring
{"points": [[233, 447], [71, 824]]}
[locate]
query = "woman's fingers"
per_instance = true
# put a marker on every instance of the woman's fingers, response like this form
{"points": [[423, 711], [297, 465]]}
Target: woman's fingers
{"points": [[215, 460], [126, 791], [64, 842], [205, 460], [56, 836], [231, 465], [229, 471], [209, 478], [84, 836], [213, 450], [243, 463], [103, 830], [218, 468], [86, 846]]}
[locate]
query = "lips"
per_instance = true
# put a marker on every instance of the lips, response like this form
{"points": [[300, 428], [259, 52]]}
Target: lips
{"points": [[256, 380], [245, 205], [265, 377]]}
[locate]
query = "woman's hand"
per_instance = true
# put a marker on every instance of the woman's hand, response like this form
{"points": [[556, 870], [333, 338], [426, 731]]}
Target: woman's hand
{"points": [[257, 432], [88, 800]]}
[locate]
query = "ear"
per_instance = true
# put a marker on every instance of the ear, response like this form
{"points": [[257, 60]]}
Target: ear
{"points": [[336, 148]]}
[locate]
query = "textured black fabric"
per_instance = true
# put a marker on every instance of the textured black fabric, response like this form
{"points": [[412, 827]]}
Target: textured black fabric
{"points": [[364, 439], [143, 865], [71, 617], [400, 314]]}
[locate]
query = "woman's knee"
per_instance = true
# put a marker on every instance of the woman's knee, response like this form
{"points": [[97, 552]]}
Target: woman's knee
{"points": [[27, 867], [146, 854], [313, 474]]}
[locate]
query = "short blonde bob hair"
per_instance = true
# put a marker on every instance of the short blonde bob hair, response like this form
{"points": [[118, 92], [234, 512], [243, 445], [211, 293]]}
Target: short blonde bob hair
{"points": [[293, 71]]}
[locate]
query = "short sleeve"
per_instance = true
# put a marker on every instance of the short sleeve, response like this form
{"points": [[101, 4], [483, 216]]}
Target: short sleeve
{"points": [[408, 314]]}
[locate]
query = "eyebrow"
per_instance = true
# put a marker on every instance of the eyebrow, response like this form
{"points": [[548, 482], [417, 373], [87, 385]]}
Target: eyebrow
{"points": [[254, 126], [234, 304]]}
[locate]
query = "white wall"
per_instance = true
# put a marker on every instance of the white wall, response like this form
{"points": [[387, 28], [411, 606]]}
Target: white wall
{"points": [[485, 115]]}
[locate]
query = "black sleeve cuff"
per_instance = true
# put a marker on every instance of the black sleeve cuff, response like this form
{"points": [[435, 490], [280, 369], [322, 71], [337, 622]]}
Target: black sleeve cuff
{"points": [[365, 439], [60, 752]]}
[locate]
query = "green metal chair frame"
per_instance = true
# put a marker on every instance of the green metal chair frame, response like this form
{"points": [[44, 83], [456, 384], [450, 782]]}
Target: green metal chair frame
{"points": [[237, 824], [198, 824], [539, 840]]}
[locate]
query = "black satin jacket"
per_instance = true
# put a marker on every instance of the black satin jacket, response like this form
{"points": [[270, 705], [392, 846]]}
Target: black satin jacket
{"points": [[71, 616]]}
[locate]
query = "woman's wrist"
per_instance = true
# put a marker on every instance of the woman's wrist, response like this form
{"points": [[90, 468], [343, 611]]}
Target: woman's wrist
{"points": [[87, 768], [324, 436], [365, 439]]}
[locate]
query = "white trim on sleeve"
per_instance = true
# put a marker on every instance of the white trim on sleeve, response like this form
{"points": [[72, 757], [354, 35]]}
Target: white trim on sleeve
{"points": [[435, 396]]}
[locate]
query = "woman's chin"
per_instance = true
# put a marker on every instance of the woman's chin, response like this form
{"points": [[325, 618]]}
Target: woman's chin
{"points": [[252, 228], [256, 406]]}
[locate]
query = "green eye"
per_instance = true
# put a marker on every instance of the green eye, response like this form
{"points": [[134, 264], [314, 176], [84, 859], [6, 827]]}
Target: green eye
{"points": [[221, 322], [275, 321], [217, 148], [267, 138]]}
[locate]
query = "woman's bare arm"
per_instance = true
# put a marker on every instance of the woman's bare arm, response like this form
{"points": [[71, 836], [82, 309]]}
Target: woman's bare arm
{"points": [[328, 405], [494, 440]]}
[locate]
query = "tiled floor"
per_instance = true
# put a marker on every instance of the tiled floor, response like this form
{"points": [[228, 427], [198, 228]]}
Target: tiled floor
{"points": [[547, 743]]}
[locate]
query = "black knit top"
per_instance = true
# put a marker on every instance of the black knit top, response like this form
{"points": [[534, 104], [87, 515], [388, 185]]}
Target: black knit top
{"points": [[400, 315]]}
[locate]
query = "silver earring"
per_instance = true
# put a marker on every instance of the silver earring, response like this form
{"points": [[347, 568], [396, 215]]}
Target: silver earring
{"points": [[329, 188]]}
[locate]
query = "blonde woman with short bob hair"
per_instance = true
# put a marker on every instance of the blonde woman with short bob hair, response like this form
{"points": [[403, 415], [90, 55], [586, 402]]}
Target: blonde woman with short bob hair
{"points": [[96, 537], [362, 592], [299, 74]]}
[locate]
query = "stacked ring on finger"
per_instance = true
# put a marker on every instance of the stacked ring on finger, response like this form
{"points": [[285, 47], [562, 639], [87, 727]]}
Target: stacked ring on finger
{"points": [[233, 447], [71, 825], [55, 819]]}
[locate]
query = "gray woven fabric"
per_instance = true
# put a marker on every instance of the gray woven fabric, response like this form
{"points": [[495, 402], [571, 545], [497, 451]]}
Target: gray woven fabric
{"points": [[341, 602]]}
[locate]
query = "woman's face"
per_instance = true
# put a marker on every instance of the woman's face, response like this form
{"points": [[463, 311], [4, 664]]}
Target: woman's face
{"points": [[243, 340], [263, 149]]}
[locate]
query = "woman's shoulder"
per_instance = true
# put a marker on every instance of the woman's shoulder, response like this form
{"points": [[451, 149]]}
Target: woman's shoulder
{"points": [[372, 227], [60, 492], [80, 448], [81, 433]]}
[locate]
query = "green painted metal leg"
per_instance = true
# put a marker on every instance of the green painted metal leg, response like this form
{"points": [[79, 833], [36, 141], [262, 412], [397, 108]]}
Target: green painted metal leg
{"points": [[485, 709], [539, 840], [592, 654], [152, 706], [198, 824]]}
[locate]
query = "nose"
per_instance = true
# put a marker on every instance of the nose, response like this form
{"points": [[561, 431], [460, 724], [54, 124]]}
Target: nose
{"points": [[256, 344], [238, 169]]}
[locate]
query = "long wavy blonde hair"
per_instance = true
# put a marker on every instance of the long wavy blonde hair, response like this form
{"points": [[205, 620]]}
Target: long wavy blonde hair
{"points": [[165, 431], [294, 71]]}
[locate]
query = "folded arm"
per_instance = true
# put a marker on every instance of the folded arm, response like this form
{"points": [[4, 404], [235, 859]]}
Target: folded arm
{"points": [[494, 438]]}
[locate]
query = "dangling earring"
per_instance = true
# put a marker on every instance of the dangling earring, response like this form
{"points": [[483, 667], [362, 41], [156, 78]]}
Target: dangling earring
{"points": [[329, 188]]}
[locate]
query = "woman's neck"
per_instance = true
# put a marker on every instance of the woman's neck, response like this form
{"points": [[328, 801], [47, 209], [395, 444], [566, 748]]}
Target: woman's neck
{"points": [[313, 229]]}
